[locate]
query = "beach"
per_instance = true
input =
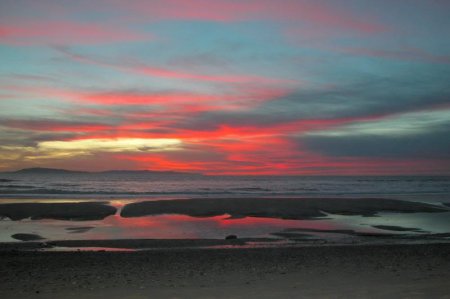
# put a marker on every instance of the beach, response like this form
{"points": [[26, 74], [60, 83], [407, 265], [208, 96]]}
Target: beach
{"points": [[251, 244], [375, 271]]}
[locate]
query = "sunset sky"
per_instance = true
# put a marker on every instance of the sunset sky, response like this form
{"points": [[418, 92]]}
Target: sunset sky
{"points": [[226, 87]]}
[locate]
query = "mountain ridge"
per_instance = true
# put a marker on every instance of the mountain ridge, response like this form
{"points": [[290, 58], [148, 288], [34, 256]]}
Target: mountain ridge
{"points": [[59, 171]]}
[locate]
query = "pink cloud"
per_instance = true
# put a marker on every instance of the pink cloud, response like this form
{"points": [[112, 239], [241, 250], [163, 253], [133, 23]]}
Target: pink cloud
{"points": [[54, 126], [166, 73], [139, 67], [176, 103], [184, 103], [64, 32], [232, 11]]}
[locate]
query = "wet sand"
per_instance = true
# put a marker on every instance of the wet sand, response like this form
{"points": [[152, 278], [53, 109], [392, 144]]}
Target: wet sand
{"points": [[285, 208], [127, 243], [384, 271], [58, 211]]}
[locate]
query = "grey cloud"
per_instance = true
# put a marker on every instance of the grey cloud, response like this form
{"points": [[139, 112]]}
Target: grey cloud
{"points": [[434, 144], [30, 138], [369, 97]]}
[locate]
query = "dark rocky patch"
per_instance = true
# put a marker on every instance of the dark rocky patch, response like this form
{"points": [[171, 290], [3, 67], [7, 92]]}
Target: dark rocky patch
{"points": [[284, 208], [27, 237], [398, 228], [58, 211]]}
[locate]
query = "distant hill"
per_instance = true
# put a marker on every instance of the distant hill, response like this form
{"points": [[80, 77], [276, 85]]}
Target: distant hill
{"points": [[39, 170], [134, 172], [56, 171]]}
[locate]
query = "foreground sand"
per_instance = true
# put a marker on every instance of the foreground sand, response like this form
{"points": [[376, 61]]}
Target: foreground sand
{"points": [[387, 271]]}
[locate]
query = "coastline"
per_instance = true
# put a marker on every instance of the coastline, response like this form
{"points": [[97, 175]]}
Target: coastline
{"points": [[367, 271]]}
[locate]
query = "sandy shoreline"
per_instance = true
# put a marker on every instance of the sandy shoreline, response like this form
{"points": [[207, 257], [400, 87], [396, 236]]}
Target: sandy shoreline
{"points": [[383, 271]]}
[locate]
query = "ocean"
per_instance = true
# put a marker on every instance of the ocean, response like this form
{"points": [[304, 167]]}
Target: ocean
{"points": [[135, 185], [120, 189]]}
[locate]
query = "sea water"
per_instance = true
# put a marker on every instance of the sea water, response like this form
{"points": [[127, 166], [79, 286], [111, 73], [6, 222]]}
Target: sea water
{"points": [[144, 185]]}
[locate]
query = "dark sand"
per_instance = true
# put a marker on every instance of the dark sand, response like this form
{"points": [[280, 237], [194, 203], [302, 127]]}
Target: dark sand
{"points": [[286, 208], [130, 243], [388, 271], [58, 211]]}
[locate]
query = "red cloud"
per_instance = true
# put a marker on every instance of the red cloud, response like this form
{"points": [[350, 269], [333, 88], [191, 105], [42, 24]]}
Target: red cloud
{"points": [[263, 149], [178, 102], [277, 157], [126, 98]]}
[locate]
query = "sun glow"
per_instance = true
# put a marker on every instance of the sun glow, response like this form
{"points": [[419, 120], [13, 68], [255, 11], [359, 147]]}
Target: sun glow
{"points": [[111, 145]]}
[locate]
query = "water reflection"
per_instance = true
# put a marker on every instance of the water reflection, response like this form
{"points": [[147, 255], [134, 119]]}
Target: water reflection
{"points": [[157, 227], [187, 227]]}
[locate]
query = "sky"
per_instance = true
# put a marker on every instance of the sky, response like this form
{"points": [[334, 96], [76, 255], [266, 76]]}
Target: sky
{"points": [[250, 87]]}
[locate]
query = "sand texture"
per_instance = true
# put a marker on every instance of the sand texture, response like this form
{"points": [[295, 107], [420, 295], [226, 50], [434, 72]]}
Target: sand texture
{"points": [[286, 208], [385, 271]]}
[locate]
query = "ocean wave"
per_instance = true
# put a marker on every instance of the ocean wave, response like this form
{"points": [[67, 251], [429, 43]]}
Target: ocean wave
{"points": [[251, 189], [213, 186], [39, 193], [76, 192]]}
